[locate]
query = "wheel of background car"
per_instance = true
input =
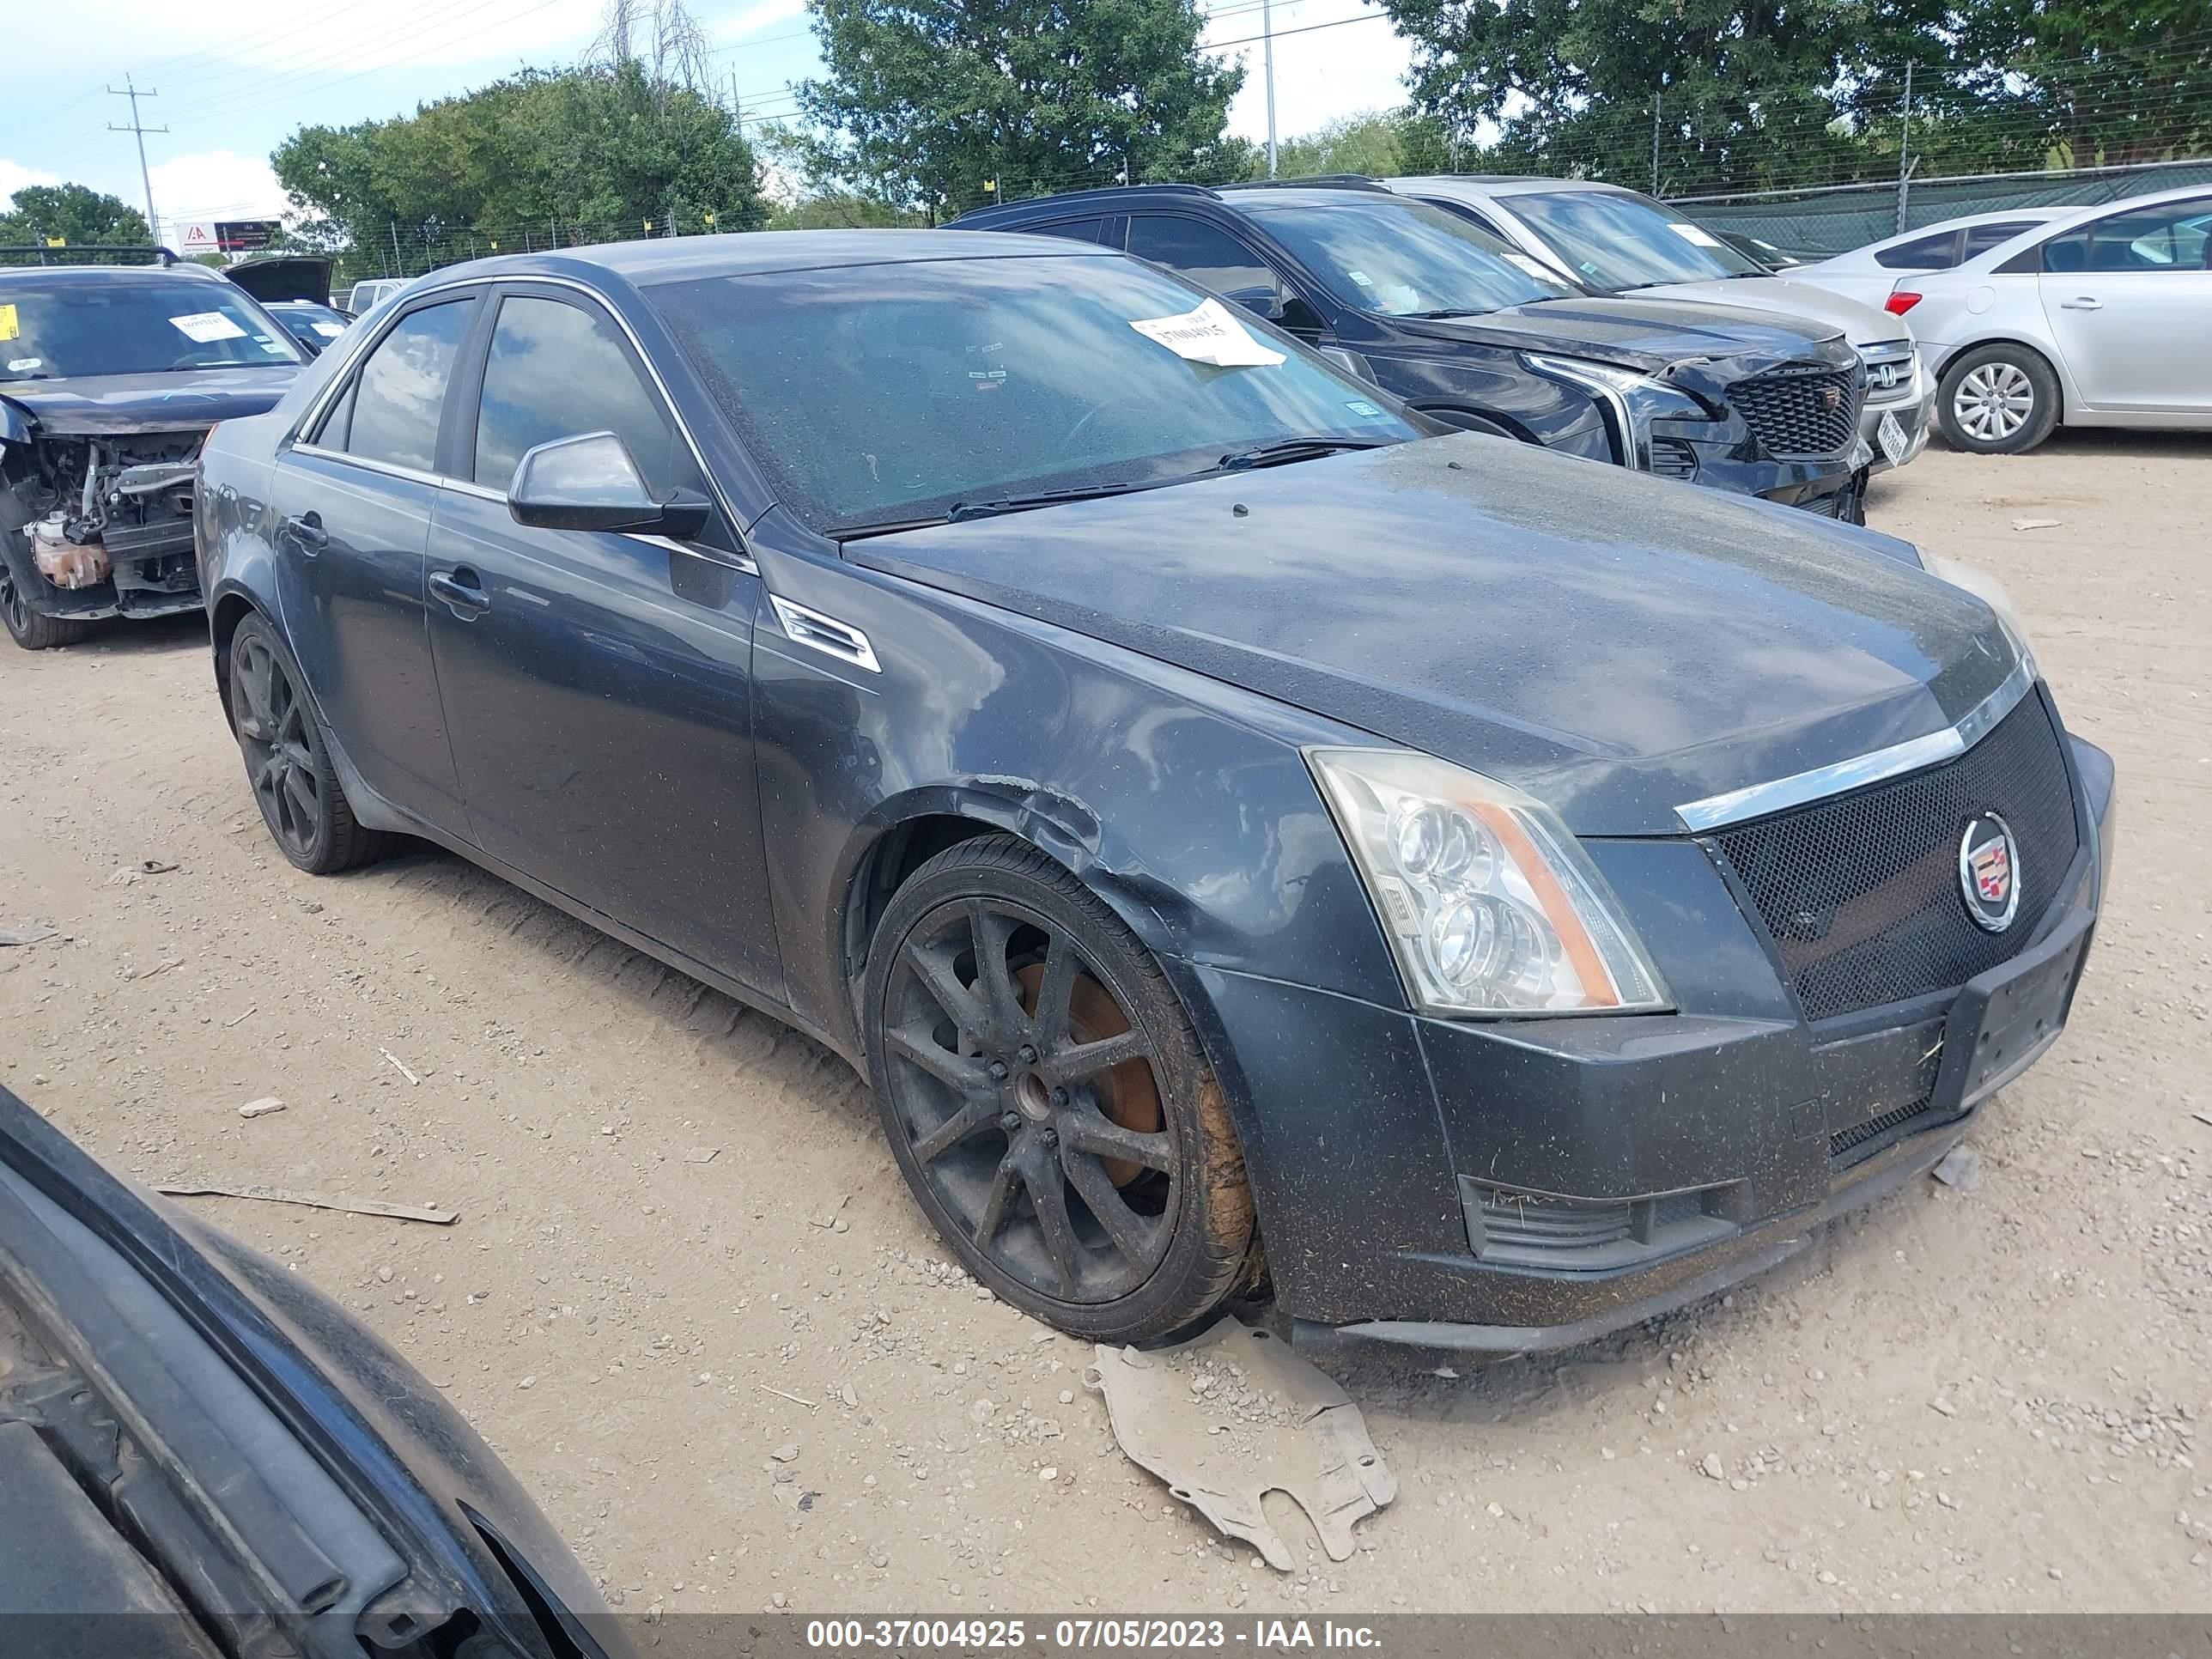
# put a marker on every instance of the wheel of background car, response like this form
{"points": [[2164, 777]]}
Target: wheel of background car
{"points": [[1046, 1101], [34, 630], [288, 761], [1997, 400]]}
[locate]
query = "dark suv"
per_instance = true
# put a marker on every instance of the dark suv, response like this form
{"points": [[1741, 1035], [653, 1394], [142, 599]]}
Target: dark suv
{"points": [[1462, 326]]}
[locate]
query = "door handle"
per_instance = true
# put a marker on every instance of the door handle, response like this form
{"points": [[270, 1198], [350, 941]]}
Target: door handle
{"points": [[306, 533], [461, 590], [2081, 302]]}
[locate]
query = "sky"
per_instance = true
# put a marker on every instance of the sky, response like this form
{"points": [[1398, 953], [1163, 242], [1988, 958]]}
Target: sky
{"points": [[229, 92]]}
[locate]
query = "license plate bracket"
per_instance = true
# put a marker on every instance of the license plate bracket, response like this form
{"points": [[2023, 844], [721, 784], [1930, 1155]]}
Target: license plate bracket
{"points": [[1890, 434], [2005, 1018]]}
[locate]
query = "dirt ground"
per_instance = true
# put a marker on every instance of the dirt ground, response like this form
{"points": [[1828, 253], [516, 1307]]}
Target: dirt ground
{"points": [[748, 1380]]}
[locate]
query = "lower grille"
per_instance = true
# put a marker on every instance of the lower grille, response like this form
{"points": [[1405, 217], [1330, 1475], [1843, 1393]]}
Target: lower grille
{"points": [[1672, 458], [1860, 892], [1845, 1141], [1802, 412], [1512, 1229]]}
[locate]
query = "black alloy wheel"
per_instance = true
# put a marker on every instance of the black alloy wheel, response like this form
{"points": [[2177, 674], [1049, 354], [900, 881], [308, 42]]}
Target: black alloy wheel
{"points": [[287, 761], [1046, 1098]]}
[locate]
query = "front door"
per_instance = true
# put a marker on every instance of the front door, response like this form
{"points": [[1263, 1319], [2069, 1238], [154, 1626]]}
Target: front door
{"points": [[2129, 302], [353, 507], [597, 685]]}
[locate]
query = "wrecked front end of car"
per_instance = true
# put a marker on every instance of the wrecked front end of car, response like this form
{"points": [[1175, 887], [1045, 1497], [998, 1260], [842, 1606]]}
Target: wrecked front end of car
{"points": [[99, 525]]}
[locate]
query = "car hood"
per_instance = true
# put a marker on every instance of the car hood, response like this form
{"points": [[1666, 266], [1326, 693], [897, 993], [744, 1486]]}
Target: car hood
{"points": [[110, 405], [1861, 324], [1651, 334], [1615, 644]]}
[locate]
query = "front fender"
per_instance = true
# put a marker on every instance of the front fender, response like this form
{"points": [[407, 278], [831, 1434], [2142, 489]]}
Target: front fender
{"points": [[1183, 802]]}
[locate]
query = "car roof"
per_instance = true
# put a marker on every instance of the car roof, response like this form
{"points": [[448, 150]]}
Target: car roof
{"points": [[759, 253], [1505, 184], [89, 276]]}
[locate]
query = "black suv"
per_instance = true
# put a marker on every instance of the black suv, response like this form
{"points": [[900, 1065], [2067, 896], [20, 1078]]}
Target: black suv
{"points": [[1467, 329]]}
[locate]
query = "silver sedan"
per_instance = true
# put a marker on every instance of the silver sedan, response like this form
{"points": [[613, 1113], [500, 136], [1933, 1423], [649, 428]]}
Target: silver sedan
{"points": [[2100, 316]]}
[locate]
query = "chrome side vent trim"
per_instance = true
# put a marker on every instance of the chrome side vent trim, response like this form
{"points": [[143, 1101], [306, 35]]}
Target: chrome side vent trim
{"points": [[825, 634]]}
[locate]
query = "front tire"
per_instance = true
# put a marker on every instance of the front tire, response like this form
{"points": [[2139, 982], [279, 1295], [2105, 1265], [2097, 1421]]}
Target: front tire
{"points": [[1997, 400], [1047, 1100], [287, 759], [34, 629]]}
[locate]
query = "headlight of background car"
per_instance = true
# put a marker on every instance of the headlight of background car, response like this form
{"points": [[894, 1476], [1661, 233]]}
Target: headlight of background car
{"points": [[1490, 906], [1634, 401]]}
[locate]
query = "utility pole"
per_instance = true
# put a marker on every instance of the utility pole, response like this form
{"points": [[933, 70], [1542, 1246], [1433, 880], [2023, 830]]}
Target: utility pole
{"points": [[1267, 35], [737, 105], [1905, 151], [1654, 144], [145, 178]]}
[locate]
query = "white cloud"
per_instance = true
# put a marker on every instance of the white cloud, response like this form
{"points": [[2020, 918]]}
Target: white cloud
{"points": [[219, 185], [755, 17], [1320, 75], [14, 177]]}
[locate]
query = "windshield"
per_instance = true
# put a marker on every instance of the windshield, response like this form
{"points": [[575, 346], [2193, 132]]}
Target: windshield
{"points": [[137, 325], [876, 394], [1616, 240], [1405, 259]]}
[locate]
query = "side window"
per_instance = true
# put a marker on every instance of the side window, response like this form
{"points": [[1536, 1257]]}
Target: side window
{"points": [[1211, 259], [2067, 252], [401, 387], [2172, 236], [1936, 252], [558, 370], [1481, 221], [1980, 239], [1076, 230]]}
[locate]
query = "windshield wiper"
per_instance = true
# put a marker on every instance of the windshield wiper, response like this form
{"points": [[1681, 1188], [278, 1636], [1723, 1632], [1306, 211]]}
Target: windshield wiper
{"points": [[1286, 450], [1438, 316], [961, 510]]}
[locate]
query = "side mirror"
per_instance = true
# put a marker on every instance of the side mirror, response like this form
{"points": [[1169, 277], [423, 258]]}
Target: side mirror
{"points": [[589, 483]]}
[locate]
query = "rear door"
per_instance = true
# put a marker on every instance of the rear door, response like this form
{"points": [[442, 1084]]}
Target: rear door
{"points": [[352, 503], [598, 684], [2129, 303]]}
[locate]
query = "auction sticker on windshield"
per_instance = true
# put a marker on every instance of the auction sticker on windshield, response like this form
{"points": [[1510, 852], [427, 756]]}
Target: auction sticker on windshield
{"points": [[1697, 233], [10, 328], [207, 327], [1207, 335]]}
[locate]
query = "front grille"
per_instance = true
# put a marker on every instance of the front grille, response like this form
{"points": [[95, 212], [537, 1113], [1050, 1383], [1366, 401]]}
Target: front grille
{"points": [[1796, 412], [1860, 892]]}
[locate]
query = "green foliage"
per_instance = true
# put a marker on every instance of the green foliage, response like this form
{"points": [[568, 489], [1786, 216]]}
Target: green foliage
{"points": [[1757, 95], [927, 102], [1380, 143], [604, 146], [73, 212]]}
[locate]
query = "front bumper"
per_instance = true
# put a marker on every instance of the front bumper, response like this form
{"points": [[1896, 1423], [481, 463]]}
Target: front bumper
{"points": [[1509, 1188], [1914, 409]]}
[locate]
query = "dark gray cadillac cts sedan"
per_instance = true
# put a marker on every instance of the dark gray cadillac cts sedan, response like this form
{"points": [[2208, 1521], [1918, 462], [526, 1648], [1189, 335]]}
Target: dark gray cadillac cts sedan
{"points": [[1241, 836]]}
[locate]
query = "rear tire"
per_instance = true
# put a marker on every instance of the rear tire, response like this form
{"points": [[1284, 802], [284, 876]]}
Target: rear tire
{"points": [[287, 759], [1997, 400], [1047, 1100], [34, 629]]}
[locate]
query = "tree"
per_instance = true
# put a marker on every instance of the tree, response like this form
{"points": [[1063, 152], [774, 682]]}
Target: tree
{"points": [[926, 103], [77, 214], [1382, 143]]}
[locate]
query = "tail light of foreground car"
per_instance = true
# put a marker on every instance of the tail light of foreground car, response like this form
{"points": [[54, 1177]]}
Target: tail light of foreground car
{"points": [[1490, 905], [1900, 302]]}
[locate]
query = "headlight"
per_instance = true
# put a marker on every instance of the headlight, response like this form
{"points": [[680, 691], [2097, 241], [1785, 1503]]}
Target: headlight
{"points": [[1990, 592], [1634, 400], [1490, 906]]}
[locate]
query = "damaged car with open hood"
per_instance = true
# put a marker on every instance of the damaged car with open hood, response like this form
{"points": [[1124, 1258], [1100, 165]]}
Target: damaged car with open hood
{"points": [[110, 377]]}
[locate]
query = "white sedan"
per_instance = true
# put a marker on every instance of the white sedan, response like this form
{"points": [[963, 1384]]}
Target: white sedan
{"points": [[2099, 317], [1868, 274]]}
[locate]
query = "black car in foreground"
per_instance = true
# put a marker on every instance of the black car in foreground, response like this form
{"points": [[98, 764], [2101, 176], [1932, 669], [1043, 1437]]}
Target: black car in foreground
{"points": [[1473, 332], [110, 377], [201, 1456], [1494, 898]]}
